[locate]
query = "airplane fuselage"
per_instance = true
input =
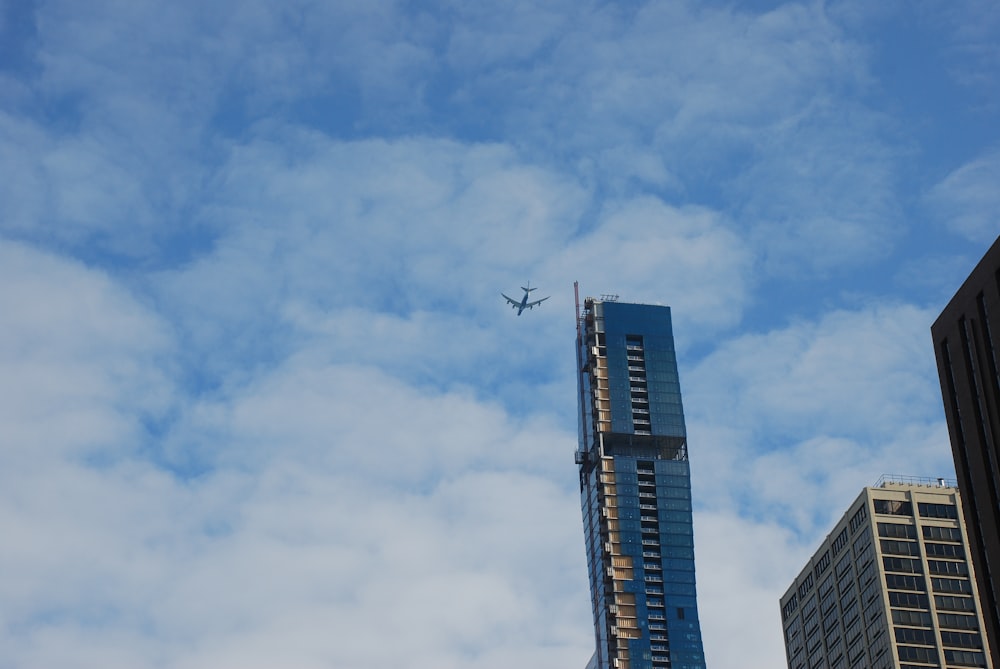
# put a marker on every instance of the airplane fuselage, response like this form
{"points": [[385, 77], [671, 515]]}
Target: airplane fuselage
{"points": [[524, 303]]}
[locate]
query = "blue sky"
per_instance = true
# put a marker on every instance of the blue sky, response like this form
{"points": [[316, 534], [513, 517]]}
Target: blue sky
{"points": [[262, 402]]}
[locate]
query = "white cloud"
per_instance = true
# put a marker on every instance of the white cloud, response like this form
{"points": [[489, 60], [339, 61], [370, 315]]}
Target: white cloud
{"points": [[647, 251], [849, 373], [372, 241], [84, 368], [820, 193], [361, 217], [488, 36], [704, 104], [972, 49], [967, 200], [333, 503], [224, 67], [743, 568], [82, 360], [697, 102], [95, 190]]}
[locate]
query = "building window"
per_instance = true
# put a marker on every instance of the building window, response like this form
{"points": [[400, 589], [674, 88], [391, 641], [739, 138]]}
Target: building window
{"points": [[863, 541], [806, 585], [958, 622], [921, 637], [839, 542], [961, 639], [911, 618], [871, 592], [893, 507], [965, 658], [830, 624], [950, 603], [905, 582], [905, 565], [858, 518], [944, 550], [951, 585], [942, 533], [808, 609], [897, 531], [872, 613], [917, 654], [826, 587], [843, 566], [792, 634], [827, 603], [928, 510], [908, 600], [851, 613], [893, 547], [789, 607], [866, 558], [823, 563], [944, 567], [845, 586]]}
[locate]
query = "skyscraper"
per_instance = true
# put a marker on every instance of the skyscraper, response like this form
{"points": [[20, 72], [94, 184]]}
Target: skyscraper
{"points": [[967, 345], [890, 587], [635, 488]]}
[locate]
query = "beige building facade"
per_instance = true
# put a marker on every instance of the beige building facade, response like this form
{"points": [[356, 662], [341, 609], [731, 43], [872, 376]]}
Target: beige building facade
{"points": [[891, 587]]}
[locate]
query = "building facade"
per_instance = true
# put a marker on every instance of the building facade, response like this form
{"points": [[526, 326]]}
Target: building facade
{"points": [[967, 345], [635, 487], [891, 587]]}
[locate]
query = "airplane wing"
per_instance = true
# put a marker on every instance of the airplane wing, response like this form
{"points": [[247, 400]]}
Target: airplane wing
{"points": [[516, 303], [532, 304]]}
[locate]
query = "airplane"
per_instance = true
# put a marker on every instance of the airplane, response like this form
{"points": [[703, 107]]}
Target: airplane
{"points": [[524, 303]]}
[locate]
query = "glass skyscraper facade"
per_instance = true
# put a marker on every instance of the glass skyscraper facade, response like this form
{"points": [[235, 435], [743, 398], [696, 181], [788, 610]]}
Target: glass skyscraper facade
{"points": [[635, 487]]}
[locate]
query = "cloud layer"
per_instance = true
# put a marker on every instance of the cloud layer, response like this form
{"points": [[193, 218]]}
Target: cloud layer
{"points": [[263, 403]]}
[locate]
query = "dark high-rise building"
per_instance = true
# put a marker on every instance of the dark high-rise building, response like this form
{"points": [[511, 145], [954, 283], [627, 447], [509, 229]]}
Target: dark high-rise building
{"points": [[635, 487], [967, 345]]}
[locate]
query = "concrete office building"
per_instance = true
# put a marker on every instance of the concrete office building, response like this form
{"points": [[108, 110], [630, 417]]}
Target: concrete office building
{"points": [[635, 488], [967, 345], [891, 586]]}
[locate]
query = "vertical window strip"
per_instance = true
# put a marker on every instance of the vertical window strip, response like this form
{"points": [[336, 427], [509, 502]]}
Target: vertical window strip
{"points": [[972, 366], [989, 375]]}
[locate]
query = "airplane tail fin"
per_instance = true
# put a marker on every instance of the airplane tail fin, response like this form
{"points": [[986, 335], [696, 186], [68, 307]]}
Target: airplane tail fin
{"points": [[528, 288]]}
